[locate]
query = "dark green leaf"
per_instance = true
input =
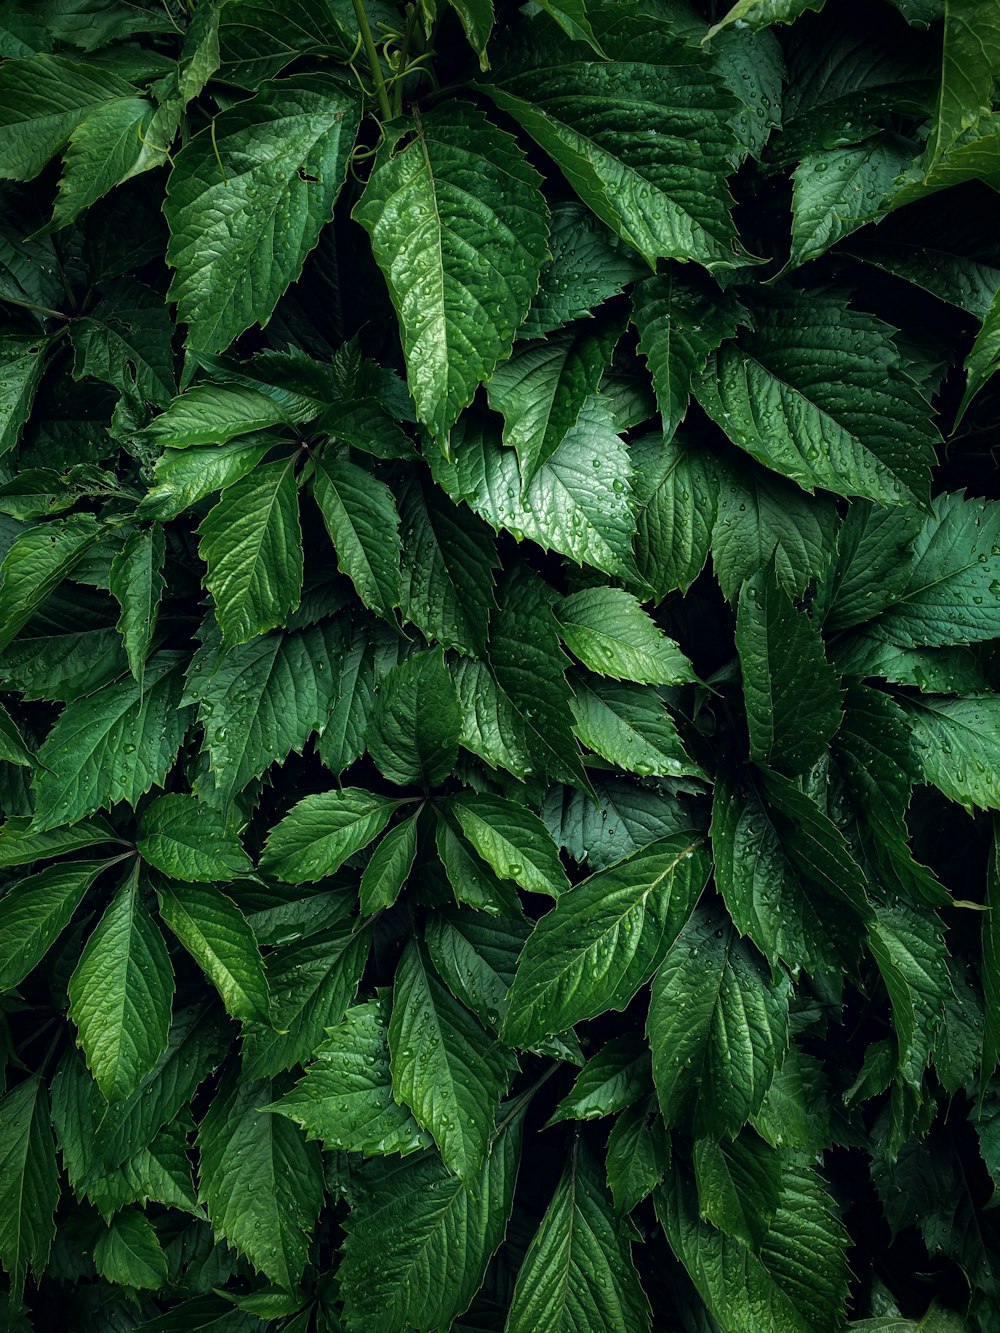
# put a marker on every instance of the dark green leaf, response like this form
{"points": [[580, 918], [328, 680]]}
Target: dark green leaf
{"points": [[416, 722]]}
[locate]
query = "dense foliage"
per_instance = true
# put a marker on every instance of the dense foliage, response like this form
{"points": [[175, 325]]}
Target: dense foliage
{"points": [[496, 622]]}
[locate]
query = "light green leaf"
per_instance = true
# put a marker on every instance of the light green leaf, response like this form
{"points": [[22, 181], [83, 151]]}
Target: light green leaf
{"points": [[762, 516], [446, 1068], [411, 1215], [345, 1097], [591, 118], [29, 1182], [188, 840], [22, 360], [37, 562], [571, 15], [542, 389], [360, 515], [160, 1173], [106, 147], [863, 430], [578, 1274], [416, 722], [578, 503], [604, 939], [261, 1182], [609, 632], [638, 1154], [311, 983], [35, 911], [218, 413], [19, 846], [111, 746], [983, 360], [957, 744], [792, 694], [589, 264], [472, 881], [630, 727], [718, 1028], [953, 592], [252, 544], [120, 994], [756, 14], [262, 700], [448, 562], [739, 1185], [137, 584], [319, 833], [182, 477], [247, 200], [128, 1252], [970, 62], [477, 20], [679, 321], [218, 937], [390, 865], [676, 490], [909, 947], [513, 841], [615, 1077], [43, 98], [458, 227]]}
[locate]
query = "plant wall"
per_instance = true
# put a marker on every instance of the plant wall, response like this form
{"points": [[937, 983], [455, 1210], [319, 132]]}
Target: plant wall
{"points": [[497, 625]]}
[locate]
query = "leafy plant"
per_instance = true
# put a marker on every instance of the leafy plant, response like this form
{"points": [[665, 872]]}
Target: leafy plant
{"points": [[497, 620]]}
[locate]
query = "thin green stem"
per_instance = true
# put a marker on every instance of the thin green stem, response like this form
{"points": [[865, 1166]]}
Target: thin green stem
{"points": [[373, 61], [397, 92], [39, 309]]}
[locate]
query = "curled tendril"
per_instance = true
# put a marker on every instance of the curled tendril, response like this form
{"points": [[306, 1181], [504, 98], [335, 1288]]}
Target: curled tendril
{"points": [[157, 148], [363, 154]]}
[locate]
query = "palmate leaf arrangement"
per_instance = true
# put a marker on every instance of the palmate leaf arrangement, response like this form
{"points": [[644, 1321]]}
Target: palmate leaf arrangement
{"points": [[496, 618]]}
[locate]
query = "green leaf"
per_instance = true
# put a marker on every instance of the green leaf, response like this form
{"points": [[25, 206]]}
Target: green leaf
{"points": [[218, 937], [609, 632], [252, 544], [126, 340], [29, 1182], [838, 190], [137, 584], [604, 939], [345, 1097], [591, 119], [22, 360], [513, 841], [957, 744], [188, 840], [757, 14], [410, 1215], [638, 1155], [991, 963], [476, 956], [389, 867], [970, 62], [621, 817], [909, 948], [872, 565], [360, 515], [679, 321], [120, 994], [797, 1283], [128, 1252], [460, 277], [630, 727], [445, 1067], [319, 833], [792, 694], [472, 881], [12, 747], [589, 264], [578, 502], [542, 389], [247, 200], [182, 477], [760, 517], [416, 722], [864, 430], [616, 1077], [571, 15], [448, 562], [36, 563], [952, 593], [111, 746], [311, 983], [106, 147], [370, 652], [578, 1274], [19, 846], [262, 700], [677, 493], [477, 20], [718, 1027], [261, 1182], [160, 1173], [739, 1185], [43, 98], [218, 413]]}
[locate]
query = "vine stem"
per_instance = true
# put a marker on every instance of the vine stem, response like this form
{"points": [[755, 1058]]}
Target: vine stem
{"points": [[373, 63], [397, 92]]}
